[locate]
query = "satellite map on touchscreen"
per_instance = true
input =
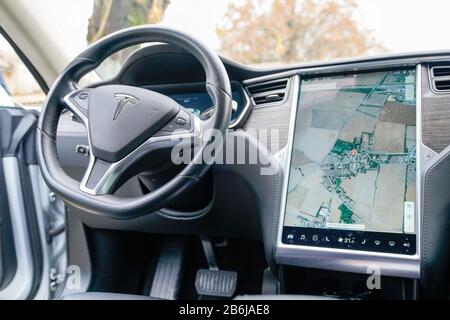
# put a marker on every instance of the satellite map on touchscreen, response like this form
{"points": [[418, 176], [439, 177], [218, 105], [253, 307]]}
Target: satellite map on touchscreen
{"points": [[353, 163]]}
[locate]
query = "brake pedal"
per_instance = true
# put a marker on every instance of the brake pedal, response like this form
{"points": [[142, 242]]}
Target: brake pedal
{"points": [[167, 279], [212, 281]]}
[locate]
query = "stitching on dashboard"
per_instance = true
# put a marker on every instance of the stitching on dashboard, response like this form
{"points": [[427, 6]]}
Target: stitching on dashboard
{"points": [[425, 221], [274, 219]]}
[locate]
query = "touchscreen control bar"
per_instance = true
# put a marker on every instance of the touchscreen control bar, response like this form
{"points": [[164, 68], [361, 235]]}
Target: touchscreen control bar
{"points": [[353, 240]]}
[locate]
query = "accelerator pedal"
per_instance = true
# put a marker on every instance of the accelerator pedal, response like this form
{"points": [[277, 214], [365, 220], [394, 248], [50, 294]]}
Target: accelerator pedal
{"points": [[212, 281], [216, 283]]}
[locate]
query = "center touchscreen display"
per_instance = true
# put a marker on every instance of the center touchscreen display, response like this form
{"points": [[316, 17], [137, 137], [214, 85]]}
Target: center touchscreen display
{"points": [[352, 175]]}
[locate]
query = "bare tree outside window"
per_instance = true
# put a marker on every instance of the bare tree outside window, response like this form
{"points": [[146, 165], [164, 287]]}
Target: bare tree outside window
{"points": [[256, 31], [113, 15], [266, 31]]}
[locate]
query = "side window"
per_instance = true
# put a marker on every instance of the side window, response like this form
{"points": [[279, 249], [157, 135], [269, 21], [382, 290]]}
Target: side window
{"points": [[18, 87]]}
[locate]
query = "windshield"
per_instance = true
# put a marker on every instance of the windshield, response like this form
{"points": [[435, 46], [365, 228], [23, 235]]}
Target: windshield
{"points": [[263, 32], [257, 33]]}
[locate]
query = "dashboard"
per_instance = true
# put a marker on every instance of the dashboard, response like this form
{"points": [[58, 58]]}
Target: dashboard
{"points": [[364, 171]]}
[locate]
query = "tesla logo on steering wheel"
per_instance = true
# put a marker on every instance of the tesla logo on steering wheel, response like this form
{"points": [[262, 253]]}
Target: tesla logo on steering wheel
{"points": [[123, 100]]}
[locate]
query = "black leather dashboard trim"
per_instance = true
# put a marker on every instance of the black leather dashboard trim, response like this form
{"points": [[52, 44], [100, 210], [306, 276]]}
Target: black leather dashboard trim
{"points": [[436, 229]]}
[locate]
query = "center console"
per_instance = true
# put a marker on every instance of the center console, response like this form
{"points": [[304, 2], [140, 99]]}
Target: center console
{"points": [[351, 193]]}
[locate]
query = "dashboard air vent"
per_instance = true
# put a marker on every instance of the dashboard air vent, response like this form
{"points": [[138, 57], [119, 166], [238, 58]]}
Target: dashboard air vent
{"points": [[440, 78], [442, 85], [441, 71], [269, 92]]}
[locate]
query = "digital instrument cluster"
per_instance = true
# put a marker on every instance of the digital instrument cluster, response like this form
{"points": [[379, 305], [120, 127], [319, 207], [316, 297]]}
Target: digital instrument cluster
{"points": [[200, 104]]}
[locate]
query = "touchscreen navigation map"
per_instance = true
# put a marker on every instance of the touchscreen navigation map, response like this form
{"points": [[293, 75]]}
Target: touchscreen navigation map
{"points": [[353, 164]]}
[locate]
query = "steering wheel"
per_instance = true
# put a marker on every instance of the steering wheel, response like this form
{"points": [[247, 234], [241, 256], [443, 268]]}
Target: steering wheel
{"points": [[126, 123]]}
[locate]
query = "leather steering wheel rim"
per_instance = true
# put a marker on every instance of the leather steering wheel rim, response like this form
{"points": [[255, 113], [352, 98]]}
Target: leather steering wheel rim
{"points": [[108, 205]]}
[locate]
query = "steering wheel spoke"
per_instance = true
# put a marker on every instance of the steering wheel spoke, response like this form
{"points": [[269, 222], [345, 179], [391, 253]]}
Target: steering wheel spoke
{"points": [[78, 101], [101, 176]]}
